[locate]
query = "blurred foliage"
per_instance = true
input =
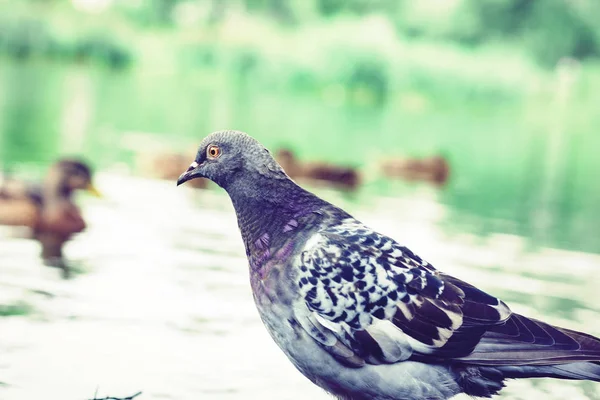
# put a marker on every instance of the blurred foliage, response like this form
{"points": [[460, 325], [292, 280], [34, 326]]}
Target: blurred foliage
{"points": [[546, 30], [25, 38], [363, 52], [357, 51]]}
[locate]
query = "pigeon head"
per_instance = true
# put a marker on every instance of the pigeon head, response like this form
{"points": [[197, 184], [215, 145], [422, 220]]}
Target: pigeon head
{"points": [[230, 157], [266, 201]]}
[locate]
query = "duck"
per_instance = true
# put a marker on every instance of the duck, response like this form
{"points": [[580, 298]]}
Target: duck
{"points": [[47, 207], [346, 178], [435, 169]]}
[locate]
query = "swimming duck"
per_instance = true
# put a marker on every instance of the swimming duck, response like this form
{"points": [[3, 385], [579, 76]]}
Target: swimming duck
{"points": [[333, 175], [47, 208], [432, 169]]}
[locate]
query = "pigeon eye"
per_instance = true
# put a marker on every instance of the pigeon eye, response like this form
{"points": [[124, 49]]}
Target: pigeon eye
{"points": [[213, 151]]}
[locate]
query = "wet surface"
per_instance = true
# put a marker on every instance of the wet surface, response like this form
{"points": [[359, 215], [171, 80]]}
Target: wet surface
{"points": [[160, 300]]}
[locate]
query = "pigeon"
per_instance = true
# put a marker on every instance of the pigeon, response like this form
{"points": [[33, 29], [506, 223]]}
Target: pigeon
{"points": [[362, 316]]}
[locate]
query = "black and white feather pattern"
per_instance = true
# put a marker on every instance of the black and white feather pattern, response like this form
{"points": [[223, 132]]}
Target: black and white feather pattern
{"points": [[352, 274], [374, 297]]}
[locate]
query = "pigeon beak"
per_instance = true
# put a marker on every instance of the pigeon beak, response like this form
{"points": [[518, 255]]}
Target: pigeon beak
{"points": [[191, 173]]}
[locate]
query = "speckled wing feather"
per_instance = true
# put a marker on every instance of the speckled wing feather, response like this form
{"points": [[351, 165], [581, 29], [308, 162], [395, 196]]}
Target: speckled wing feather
{"points": [[371, 300]]}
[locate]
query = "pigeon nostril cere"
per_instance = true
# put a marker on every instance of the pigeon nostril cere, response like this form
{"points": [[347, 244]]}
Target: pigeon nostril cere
{"points": [[192, 166]]}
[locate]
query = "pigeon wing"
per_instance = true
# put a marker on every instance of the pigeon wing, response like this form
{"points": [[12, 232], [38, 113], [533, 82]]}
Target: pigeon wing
{"points": [[368, 298]]}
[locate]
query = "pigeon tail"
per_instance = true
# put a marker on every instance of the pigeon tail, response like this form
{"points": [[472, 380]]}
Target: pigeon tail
{"points": [[488, 381]]}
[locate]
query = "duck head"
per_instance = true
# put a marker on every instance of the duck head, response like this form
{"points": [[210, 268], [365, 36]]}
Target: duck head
{"points": [[67, 176]]}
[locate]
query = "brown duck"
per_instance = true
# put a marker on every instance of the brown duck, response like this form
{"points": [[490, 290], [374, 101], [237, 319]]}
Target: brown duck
{"points": [[433, 169], [339, 177], [47, 207]]}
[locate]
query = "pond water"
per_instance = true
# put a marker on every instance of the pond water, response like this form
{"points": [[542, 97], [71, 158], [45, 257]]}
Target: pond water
{"points": [[524, 166], [161, 303]]}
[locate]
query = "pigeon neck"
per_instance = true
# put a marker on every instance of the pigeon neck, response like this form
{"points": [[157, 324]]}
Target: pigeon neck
{"points": [[265, 205]]}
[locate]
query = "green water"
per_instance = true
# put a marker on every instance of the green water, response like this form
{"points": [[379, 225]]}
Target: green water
{"points": [[522, 165]]}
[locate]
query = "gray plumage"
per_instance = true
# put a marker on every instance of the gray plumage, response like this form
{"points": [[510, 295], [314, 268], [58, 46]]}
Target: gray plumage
{"points": [[362, 316]]}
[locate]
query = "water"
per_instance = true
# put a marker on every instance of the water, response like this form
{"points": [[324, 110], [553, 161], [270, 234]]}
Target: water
{"points": [[525, 166], [161, 302]]}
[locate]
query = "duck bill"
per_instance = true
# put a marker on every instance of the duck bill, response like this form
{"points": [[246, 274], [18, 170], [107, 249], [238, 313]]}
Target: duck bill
{"points": [[91, 189], [191, 173]]}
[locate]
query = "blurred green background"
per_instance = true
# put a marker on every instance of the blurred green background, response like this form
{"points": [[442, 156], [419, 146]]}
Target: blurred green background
{"points": [[506, 90]]}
